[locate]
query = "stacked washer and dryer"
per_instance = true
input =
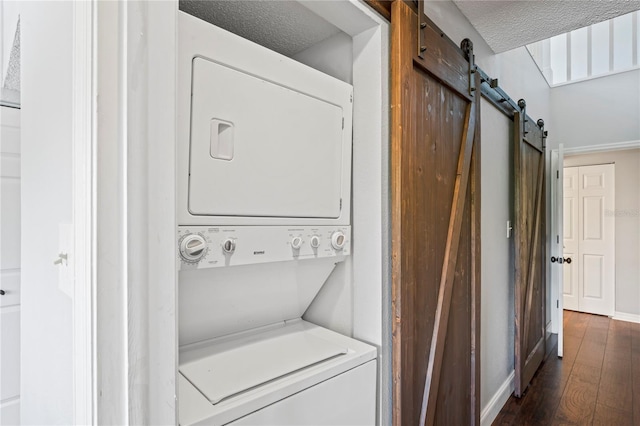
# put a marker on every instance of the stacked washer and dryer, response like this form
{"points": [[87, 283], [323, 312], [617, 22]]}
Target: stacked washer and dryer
{"points": [[264, 218]]}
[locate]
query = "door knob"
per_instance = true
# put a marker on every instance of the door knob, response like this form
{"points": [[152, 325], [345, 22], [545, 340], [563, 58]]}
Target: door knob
{"points": [[560, 260], [567, 259], [2, 293]]}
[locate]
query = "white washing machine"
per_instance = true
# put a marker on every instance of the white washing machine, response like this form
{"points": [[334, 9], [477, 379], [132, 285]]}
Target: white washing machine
{"points": [[264, 218]]}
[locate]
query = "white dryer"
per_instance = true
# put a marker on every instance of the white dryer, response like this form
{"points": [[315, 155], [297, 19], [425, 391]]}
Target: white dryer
{"points": [[264, 218]]}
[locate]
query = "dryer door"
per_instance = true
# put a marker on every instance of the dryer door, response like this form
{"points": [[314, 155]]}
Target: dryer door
{"points": [[260, 149]]}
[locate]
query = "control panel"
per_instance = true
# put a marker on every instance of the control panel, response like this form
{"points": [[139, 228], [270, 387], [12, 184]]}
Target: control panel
{"points": [[201, 247]]}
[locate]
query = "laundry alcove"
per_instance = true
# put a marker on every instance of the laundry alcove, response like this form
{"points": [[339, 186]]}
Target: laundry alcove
{"points": [[347, 41]]}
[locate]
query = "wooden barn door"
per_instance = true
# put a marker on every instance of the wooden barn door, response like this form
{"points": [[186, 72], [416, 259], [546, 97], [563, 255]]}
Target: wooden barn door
{"points": [[435, 224], [530, 258]]}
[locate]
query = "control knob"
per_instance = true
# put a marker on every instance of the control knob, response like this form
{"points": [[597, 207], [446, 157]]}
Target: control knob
{"points": [[296, 243], [193, 247], [315, 241], [338, 240], [229, 246]]}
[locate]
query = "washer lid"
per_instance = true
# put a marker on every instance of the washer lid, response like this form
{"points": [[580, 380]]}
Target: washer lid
{"points": [[223, 370]]}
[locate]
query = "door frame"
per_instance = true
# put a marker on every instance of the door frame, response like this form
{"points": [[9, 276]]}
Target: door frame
{"points": [[587, 149], [556, 227], [123, 199], [134, 198], [82, 256]]}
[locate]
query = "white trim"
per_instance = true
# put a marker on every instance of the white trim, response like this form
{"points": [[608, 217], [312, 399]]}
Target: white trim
{"points": [[499, 399], [623, 316], [136, 333], [614, 146], [112, 405], [556, 231], [82, 255], [593, 77]]}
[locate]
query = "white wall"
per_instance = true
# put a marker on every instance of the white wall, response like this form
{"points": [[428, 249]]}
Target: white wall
{"points": [[520, 78], [10, 266], [333, 56], [497, 274], [46, 370], [627, 220], [598, 111]]}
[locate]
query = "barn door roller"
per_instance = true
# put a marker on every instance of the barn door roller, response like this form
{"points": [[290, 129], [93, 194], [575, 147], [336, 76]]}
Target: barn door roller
{"points": [[467, 48], [422, 24]]}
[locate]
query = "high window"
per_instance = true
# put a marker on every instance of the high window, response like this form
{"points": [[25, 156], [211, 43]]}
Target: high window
{"points": [[604, 48]]}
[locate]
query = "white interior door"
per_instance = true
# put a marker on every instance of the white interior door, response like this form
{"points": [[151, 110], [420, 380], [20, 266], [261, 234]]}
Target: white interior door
{"points": [[570, 239], [596, 266], [589, 225], [9, 266]]}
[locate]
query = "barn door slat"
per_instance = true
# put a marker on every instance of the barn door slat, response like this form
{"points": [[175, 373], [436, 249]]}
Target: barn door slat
{"points": [[529, 232], [432, 382], [435, 208]]}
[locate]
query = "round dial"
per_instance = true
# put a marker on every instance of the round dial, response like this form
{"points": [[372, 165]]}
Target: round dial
{"points": [[296, 243], [229, 245], [193, 247], [315, 241], [338, 240]]}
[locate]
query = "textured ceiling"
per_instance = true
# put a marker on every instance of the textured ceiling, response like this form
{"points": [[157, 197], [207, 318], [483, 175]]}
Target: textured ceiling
{"points": [[12, 79], [506, 25], [10, 90], [291, 27]]}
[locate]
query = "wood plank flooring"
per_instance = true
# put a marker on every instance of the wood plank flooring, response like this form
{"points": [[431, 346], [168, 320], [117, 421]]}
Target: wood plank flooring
{"points": [[597, 382]]}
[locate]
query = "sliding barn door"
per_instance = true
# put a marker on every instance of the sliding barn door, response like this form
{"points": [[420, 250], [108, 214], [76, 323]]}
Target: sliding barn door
{"points": [[530, 243], [435, 225]]}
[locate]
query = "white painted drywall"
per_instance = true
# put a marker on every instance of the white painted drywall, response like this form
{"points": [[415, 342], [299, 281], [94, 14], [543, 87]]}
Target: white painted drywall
{"points": [[497, 273], [333, 56], [599, 111], [10, 266], [627, 220], [519, 76], [46, 364]]}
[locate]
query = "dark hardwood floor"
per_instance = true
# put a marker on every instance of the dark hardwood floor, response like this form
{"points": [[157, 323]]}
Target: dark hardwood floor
{"points": [[597, 382]]}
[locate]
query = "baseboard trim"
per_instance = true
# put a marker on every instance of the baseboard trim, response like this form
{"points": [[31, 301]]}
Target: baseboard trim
{"points": [[493, 407], [622, 316]]}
